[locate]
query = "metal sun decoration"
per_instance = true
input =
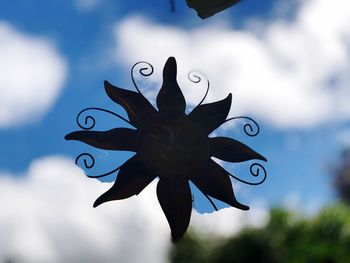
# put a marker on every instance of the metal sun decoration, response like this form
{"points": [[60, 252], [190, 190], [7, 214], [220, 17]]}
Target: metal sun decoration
{"points": [[171, 145]]}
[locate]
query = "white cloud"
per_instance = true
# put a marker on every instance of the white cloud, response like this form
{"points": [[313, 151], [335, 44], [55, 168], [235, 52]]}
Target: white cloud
{"points": [[290, 74], [228, 221], [32, 76], [46, 215]]}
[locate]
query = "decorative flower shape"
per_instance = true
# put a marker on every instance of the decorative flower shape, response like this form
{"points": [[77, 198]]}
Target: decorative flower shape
{"points": [[171, 145]]}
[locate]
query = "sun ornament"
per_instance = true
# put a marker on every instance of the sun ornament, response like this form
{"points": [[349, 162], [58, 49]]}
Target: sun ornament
{"points": [[170, 145]]}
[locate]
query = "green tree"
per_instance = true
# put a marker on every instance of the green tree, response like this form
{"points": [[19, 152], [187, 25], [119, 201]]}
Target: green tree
{"points": [[287, 238]]}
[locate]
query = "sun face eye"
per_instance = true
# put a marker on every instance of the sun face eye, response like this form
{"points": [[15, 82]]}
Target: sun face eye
{"points": [[171, 145]]}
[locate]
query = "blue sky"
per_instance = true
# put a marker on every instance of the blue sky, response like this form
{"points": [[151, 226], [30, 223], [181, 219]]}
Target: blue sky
{"points": [[285, 66]]}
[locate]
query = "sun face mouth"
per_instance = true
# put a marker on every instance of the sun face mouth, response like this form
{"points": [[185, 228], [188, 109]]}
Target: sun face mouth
{"points": [[173, 146]]}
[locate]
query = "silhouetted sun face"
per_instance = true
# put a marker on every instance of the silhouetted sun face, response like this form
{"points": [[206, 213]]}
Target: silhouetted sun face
{"points": [[173, 146], [170, 145]]}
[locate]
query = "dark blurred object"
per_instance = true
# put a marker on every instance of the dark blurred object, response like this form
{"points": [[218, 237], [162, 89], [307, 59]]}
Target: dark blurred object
{"points": [[249, 247], [287, 238], [190, 249], [342, 177], [172, 6], [207, 8]]}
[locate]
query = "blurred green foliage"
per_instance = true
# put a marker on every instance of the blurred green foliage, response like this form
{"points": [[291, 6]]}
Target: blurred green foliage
{"points": [[288, 237]]}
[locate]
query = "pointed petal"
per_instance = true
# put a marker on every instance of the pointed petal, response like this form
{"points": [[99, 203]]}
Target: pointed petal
{"points": [[210, 116], [176, 201], [123, 139], [132, 178], [170, 97], [214, 181], [137, 107], [230, 150]]}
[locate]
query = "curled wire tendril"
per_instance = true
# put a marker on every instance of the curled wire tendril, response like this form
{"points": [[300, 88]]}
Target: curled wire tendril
{"points": [[92, 159], [195, 78], [211, 202], [248, 127], [89, 162], [254, 173], [143, 72], [90, 119]]}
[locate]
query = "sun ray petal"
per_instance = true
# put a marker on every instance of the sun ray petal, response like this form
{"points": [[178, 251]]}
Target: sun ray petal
{"points": [[137, 106], [170, 97], [214, 181], [176, 201], [132, 178], [231, 150], [122, 139], [210, 116]]}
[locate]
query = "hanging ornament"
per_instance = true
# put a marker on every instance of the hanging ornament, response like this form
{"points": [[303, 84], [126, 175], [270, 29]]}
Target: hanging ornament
{"points": [[207, 8], [170, 145]]}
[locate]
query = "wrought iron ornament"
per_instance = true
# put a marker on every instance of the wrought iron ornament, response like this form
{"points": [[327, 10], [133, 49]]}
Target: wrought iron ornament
{"points": [[207, 8], [170, 145]]}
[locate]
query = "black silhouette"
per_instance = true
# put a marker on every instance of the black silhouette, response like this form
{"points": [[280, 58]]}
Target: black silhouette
{"points": [[207, 8], [171, 145]]}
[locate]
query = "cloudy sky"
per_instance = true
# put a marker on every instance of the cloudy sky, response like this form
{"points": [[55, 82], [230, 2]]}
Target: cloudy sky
{"points": [[285, 62]]}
